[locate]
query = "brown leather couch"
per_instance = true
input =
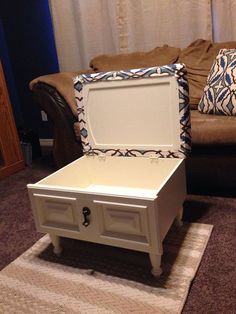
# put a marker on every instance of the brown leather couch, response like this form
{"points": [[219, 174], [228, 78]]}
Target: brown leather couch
{"points": [[210, 168]]}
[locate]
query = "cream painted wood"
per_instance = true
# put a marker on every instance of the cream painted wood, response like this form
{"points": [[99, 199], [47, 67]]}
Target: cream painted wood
{"points": [[170, 200], [56, 243], [156, 262], [178, 219], [155, 103], [123, 221], [132, 202], [95, 173], [57, 211]]}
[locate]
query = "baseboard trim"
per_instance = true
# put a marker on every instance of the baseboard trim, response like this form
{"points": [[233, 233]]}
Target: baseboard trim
{"points": [[46, 141]]}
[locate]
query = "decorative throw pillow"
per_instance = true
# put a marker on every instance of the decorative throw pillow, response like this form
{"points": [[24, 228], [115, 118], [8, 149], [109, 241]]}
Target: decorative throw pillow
{"points": [[220, 92]]}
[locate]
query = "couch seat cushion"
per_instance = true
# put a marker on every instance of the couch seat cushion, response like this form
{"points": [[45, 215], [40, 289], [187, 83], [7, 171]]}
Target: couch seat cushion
{"points": [[212, 129]]}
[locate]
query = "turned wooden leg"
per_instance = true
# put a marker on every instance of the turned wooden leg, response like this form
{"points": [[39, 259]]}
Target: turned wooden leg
{"points": [[56, 243], [156, 264], [178, 218]]}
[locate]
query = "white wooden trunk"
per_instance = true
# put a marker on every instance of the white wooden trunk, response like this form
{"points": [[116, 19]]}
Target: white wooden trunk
{"points": [[133, 202], [128, 202]]}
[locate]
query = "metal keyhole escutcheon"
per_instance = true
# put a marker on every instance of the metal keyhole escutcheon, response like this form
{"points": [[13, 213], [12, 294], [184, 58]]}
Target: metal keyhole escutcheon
{"points": [[86, 213]]}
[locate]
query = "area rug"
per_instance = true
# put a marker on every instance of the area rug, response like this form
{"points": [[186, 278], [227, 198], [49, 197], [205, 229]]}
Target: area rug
{"points": [[92, 278]]}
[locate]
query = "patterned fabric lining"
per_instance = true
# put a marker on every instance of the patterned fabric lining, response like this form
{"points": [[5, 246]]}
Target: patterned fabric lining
{"points": [[220, 92], [177, 70]]}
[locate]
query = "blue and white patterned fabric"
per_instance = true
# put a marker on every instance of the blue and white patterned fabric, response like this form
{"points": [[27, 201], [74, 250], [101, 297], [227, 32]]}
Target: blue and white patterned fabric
{"points": [[220, 92], [176, 70]]}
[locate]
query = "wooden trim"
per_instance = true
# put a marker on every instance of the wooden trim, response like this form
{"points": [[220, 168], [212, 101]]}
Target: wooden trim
{"points": [[10, 150], [8, 170]]}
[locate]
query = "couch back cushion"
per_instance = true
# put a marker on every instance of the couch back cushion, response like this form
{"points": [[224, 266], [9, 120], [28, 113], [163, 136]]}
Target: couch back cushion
{"points": [[198, 58], [156, 57]]}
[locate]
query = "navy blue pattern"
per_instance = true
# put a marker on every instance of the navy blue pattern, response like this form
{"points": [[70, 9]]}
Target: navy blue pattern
{"points": [[220, 92]]}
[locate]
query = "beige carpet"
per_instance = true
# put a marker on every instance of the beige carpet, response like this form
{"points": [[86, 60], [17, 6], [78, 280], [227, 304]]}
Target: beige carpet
{"points": [[91, 278]]}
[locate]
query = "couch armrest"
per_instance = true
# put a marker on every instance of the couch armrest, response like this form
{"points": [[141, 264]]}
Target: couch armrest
{"points": [[66, 147]]}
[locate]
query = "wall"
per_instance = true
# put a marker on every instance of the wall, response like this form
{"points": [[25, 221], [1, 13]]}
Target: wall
{"points": [[28, 51]]}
